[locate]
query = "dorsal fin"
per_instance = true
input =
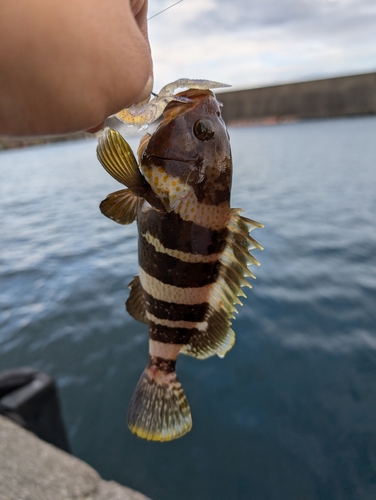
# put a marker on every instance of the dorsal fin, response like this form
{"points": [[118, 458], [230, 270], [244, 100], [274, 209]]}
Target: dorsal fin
{"points": [[135, 304], [120, 206], [218, 338]]}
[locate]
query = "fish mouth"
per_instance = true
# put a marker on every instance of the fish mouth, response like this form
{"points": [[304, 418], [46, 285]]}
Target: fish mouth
{"points": [[142, 146], [183, 160]]}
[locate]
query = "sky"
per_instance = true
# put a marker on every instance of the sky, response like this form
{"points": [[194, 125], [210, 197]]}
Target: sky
{"points": [[255, 43]]}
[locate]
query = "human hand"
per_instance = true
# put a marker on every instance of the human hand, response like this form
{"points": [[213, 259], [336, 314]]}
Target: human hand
{"points": [[66, 65]]}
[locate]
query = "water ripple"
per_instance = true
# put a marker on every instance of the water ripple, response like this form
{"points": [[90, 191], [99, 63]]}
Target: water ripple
{"points": [[289, 413]]}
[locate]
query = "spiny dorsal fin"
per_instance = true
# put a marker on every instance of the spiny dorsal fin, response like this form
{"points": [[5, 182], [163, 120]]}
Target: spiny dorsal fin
{"points": [[159, 410], [243, 223], [135, 304], [218, 338], [117, 157], [120, 206]]}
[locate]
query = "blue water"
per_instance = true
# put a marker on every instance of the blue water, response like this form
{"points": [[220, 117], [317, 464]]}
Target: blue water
{"points": [[290, 413]]}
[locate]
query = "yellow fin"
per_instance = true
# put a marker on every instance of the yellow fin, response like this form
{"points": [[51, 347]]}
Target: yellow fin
{"points": [[120, 206], [159, 410], [116, 156], [135, 304]]}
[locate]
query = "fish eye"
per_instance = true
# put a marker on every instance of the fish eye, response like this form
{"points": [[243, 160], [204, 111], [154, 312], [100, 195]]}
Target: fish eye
{"points": [[203, 130]]}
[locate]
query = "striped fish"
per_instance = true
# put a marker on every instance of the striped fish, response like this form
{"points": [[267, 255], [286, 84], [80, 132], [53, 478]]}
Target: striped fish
{"points": [[193, 250]]}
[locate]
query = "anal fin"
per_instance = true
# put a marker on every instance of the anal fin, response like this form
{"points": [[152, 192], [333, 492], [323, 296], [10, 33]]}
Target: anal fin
{"points": [[135, 304], [120, 206]]}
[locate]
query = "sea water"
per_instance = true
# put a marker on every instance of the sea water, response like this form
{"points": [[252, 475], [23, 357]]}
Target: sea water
{"points": [[290, 413]]}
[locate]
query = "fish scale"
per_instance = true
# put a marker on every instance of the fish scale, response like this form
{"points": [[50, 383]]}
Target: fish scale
{"points": [[193, 250]]}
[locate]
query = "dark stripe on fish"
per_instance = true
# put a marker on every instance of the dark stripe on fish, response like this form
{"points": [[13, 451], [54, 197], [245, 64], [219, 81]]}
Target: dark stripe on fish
{"points": [[173, 271], [171, 335], [175, 312], [177, 234], [164, 365], [221, 195]]}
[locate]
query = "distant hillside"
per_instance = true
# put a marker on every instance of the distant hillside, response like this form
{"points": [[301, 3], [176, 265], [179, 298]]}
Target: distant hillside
{"points": [[112, 122], [332, 97], [22, 142]]}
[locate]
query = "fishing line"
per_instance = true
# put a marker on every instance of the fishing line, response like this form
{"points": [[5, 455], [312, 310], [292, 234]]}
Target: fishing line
{"points": [[155, 15], [164, 9]]}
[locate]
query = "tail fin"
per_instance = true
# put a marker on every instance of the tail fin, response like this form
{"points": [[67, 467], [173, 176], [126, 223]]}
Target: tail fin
{"points": [[159, 409]]}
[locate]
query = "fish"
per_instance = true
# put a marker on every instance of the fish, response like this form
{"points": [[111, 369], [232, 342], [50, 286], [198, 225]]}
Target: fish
{"points": [[193, 250]]}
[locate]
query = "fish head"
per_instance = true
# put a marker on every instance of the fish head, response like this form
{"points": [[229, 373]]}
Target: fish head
{"points": [[189, 153]]}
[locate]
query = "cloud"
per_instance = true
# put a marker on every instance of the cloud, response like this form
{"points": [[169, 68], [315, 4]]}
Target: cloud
{"points": [[256, 13], [261, 14], [263, 42]]}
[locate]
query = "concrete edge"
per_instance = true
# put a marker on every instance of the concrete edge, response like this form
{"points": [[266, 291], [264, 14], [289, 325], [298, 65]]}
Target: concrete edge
{"points": [[31, 469]]}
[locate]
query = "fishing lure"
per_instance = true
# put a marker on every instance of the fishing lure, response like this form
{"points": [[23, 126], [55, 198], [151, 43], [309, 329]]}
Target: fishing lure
{"points": [[145, 113], [193, 249]]}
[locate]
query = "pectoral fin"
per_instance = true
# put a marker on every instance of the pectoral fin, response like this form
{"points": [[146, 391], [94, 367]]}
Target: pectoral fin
{"points": [[120, 206], [116, 156]]}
